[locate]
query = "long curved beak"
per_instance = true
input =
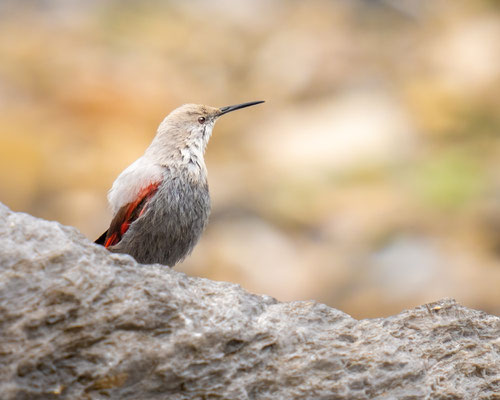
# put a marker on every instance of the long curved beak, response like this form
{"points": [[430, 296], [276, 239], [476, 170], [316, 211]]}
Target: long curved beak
{"points": [[225, 110]]}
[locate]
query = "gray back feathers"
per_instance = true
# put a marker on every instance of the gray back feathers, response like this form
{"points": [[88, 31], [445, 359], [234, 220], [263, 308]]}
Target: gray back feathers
{"points": [[172, 223]]}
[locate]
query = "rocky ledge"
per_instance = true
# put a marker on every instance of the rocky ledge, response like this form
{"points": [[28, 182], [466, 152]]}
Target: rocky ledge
{"points": [[77, 322]]}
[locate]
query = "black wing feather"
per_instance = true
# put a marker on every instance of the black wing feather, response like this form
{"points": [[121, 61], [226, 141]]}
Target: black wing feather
{"points": [[102, 239]]}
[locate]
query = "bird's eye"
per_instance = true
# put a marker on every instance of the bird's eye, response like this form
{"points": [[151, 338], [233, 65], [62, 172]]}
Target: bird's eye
{"points": [[201, 120]]}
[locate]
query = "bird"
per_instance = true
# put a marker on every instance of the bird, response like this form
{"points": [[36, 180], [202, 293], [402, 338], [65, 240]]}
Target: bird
{"points": [[161, 202]]}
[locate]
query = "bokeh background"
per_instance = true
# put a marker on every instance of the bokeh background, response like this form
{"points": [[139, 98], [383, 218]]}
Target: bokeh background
{"points": [[369, 180]]}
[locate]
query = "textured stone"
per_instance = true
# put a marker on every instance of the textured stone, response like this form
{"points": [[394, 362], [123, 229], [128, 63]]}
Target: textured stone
{"points": [[77, 322]]}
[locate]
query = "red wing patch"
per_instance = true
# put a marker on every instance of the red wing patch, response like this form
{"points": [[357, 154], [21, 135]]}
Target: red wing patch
{"points": [[128, 214], [113, 239]]}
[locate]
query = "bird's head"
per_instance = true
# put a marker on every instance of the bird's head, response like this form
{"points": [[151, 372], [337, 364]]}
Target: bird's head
{"points": [[187, 129]]}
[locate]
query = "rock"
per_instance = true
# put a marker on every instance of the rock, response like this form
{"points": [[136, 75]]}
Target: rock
{"points": [[78, 322]]}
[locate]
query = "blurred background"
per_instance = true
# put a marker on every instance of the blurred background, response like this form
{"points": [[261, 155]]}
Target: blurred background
{"points": [[369, 180]]}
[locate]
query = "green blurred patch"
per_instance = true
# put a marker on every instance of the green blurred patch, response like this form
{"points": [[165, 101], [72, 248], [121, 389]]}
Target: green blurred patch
{"points": [[449, 181], [481, 123]]}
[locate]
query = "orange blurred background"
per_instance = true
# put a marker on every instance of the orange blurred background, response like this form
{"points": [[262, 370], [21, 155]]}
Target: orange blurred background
{"points": [[369, 180]]}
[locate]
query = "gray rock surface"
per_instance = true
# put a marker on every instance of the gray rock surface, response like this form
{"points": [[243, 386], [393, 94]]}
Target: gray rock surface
{"points": [[77, 322]]}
